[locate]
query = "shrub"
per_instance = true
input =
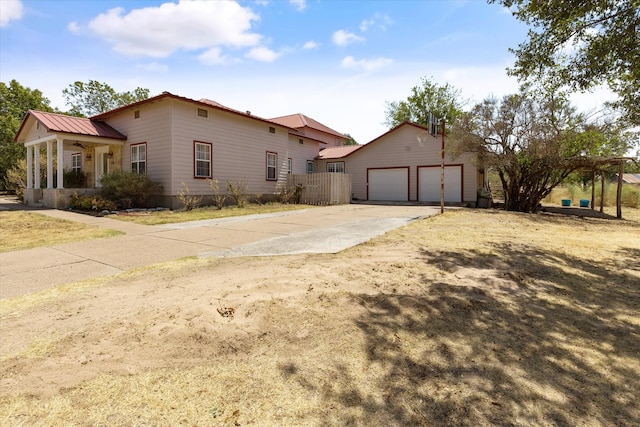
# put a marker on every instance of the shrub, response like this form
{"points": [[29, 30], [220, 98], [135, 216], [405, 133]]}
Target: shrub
{"points": [[238, 193], [188, 200], [16, 179], [128, 189], [74, 178], [91, 203], [218, 198]]}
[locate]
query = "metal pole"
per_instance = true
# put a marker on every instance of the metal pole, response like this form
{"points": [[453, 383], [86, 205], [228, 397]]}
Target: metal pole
{"points": [[442, 171]]}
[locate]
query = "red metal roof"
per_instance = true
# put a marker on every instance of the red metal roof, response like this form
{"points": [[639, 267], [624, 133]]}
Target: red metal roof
{"points": [[298, 121], [337, 152], [75, 125]]}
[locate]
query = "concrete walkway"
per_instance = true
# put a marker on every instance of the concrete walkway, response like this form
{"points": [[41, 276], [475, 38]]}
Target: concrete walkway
{"points": [[315, 230]]}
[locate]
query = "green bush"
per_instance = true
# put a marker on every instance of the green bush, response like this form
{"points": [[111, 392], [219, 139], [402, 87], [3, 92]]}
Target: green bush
{"points": [[128, 189], [74, 179]]}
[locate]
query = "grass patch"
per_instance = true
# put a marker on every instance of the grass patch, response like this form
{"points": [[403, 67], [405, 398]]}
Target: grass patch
{"points": [[24, 230], [169, 217]]}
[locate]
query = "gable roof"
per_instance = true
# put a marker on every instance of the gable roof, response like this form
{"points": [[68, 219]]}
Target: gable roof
{"points": [[347, 150], [298, 121], [55, 122], [204, 102]]}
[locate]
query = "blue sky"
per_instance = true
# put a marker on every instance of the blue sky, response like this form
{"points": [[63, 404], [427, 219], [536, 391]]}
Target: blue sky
{"points": [[336, 61]]}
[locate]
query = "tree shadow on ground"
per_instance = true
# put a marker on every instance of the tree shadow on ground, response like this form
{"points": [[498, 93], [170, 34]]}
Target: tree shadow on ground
{"points": [[540, 338]]}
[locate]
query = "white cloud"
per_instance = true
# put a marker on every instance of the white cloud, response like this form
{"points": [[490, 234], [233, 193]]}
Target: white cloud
{"points": [[10, 10], [381, 21], [74, 27], [311, 45], [365, 64], [159, 31], [263, 54], [343, 38], [213, 56], [364, 25], [299, 4]]}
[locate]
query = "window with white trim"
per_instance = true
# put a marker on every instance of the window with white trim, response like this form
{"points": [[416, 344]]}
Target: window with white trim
{"points": [[309, 166], [202, 159], [139, 158], [76, 162], [289, 165], [272, 162], [336, 167]]}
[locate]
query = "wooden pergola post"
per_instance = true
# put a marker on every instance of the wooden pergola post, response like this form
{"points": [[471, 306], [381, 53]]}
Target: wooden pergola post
{"points": [[602, 191], [619, 193], [593, 188]]}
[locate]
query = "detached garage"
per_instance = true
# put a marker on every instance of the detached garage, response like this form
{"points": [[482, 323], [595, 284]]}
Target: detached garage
{"points": [[396, 167]]}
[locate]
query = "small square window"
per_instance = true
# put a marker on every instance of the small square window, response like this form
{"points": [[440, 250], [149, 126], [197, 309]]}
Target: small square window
{"points": [[136, 114], [301, 141], [203, 113], [272, 129]]}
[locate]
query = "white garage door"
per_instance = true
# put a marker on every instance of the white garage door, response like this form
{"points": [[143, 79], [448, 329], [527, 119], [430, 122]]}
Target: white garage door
{"points": [[429, 184], [388, 184]]}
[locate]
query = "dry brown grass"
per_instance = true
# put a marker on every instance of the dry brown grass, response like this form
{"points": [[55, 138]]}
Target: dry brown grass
{"points": [[170, 217], [23, 230], [472, 318]]}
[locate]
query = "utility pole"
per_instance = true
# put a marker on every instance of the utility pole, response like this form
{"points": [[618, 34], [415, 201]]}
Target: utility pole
{"points": [[442, 168]]}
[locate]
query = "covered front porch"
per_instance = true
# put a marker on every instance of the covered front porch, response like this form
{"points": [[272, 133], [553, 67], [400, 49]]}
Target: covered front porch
{"points": [[68, 156]]}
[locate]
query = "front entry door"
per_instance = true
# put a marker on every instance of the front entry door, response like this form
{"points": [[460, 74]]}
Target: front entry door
{"points": [[102, 164]]}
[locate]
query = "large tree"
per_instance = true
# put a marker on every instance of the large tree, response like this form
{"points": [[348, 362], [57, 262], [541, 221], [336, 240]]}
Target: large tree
{"points": [[582, 44], [15, 101], [533, 142], [90, 98], [444, 101]]}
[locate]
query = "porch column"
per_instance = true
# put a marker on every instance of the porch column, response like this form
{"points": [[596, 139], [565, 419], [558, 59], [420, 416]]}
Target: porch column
{"points": [[29, 167], [60, 152], [49, 164], [36, 165]]}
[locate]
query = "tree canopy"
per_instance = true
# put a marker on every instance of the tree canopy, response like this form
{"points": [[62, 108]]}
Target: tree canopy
{"points": [[15, 101], [582, 44], [533, 142], [90, 98], [444, 101]]}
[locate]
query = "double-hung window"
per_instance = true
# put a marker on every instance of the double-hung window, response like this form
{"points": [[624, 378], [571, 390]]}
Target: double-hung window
{"points": [[272, 161], [139, 158], [309, 166], [76, 162], [202, 159], [337, 167], [289, 165]]}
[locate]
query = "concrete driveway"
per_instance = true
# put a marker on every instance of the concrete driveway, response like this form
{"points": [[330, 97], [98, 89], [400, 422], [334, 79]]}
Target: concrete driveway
{"points": [[328, 229]]}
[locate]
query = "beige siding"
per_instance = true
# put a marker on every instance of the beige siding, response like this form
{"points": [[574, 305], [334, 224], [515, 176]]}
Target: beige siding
{"points": [[400, 148], [330, 140], [240, 145], [300, 153], [154, 128]]}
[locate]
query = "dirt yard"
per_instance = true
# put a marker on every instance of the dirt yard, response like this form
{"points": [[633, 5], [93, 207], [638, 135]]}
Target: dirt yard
{"points": [[472, 318]]}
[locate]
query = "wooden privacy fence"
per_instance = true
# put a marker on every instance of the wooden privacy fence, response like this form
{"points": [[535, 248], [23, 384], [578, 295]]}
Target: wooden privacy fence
{"points": [[323, 188]]}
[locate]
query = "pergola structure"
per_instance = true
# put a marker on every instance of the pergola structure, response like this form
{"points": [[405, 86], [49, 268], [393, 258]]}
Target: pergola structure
{"points": [[599, 165]]}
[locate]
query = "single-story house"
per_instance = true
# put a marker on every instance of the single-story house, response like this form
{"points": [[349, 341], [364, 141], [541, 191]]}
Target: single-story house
{"points": [[181, 142], [405, 164]]}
